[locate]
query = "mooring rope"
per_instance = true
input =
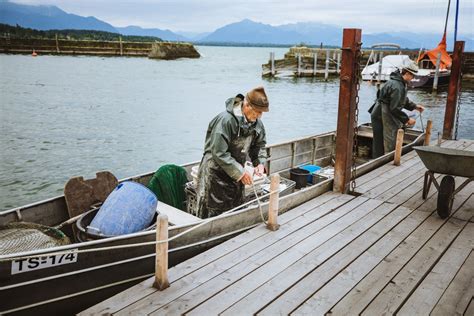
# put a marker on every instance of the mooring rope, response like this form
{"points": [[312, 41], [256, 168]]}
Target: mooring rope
{"points": [[6, 258]]}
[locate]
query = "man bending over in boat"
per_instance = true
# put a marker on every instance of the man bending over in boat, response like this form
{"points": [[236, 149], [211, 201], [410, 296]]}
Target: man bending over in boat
{"points": [[387, 115], [232, 135]]}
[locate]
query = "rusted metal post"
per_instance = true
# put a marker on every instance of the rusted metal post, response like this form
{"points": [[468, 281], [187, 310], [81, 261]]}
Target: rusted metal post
{"points": [[453, 90], [272, 223], [161, 263], [346, 110], [435, 80], [398, 148], [429, 125]]}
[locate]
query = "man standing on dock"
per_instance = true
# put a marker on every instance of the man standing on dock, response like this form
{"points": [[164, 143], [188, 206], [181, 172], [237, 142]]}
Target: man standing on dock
{"points": [[387, 115], [231, 136]]}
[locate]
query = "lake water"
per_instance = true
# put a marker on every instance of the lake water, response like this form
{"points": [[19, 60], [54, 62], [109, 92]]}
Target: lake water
{"points": [[72, 116]]}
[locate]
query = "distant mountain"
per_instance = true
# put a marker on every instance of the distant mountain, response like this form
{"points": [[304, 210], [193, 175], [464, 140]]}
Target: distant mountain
{"points": [[247, 31], [193, 36], [166, 35], [48, 17]]}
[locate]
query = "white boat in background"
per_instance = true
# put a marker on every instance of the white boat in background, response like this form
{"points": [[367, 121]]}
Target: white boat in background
{"points": [[390, 63]]}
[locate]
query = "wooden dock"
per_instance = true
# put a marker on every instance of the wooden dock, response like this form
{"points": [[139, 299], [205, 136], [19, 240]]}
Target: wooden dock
{"points": [[386, 251]]}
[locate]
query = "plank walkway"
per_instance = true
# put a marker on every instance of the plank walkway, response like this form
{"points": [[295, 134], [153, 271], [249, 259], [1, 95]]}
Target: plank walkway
{"points": [[383, 252]]}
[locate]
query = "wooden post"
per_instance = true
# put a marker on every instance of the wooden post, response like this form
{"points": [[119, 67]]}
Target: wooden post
{"points": [[346, 110], [398, 148], [435, 80], [453, 90], [161, 264], [272, 223], [315, 63], [272, 63], [338, 64], [379, 79], [429, 125], [121, 45], [57, 44], [439, 138], [299, 65], [326, 70]]}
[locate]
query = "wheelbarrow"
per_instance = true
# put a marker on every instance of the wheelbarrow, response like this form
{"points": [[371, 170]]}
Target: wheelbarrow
{"points": [[450, 162]]}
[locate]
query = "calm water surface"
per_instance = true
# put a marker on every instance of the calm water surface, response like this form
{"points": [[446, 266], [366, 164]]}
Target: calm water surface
{"points": [[68, 116]]}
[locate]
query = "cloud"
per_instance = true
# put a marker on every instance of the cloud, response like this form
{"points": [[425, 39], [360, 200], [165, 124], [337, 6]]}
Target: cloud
{"points": [[422, 16]]}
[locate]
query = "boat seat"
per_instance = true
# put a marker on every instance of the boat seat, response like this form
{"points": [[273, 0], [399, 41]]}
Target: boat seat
{"points": [[81, 194], [176, 217]]}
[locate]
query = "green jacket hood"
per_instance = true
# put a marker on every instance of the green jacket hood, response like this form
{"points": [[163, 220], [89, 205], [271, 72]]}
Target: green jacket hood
{"points": [[396, 75]]}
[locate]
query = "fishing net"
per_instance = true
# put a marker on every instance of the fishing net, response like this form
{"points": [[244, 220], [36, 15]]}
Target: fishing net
{"points": [[22, 236], [168, 185]]}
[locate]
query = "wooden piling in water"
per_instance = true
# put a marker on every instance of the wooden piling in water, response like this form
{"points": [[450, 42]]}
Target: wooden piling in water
{"points": [[315, 64], [398, 147], [272, 63], [435, 80], [346, 109], [326, 69], [379, 78], [272, 223], [299, 65], [161, 263], [453, 90]]}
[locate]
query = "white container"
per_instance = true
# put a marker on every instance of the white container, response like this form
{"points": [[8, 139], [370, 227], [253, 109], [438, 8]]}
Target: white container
{"points": [[194, 174]]}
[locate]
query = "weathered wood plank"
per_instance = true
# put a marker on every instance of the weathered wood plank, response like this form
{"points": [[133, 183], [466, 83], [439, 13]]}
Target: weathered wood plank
{"points": [[274, 242], [142, 290], [304, 277], [337, 288], [427, 294], [390, 299], [369, 287], [278, 257]]}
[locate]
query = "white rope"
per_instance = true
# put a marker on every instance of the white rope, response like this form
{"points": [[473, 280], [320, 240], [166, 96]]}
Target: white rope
{"points": [[78, 251]]}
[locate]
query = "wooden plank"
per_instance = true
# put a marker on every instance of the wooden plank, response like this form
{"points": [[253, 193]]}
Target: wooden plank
{"points": [[176, 216], [364, 292], [337, 288], [275, 241], [273, 259], [459, 294], [427, 294], [291, 287], [390, 299], [142, 290]]}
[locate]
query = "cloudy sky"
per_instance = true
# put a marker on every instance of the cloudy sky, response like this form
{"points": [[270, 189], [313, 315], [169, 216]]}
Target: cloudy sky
{"points": [[421, 16]]}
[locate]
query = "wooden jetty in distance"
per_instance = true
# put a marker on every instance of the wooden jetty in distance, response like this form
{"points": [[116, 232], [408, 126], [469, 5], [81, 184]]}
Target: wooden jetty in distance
{"points": [[386, 251], [301, 61], [381, 250]]}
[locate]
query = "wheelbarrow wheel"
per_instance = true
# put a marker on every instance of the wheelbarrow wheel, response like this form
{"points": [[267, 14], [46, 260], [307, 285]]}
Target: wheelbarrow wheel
{"points": [[445, 196]]}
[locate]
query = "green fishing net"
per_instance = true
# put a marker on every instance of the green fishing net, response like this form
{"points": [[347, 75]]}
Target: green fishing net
{"points": [[168, 185]]}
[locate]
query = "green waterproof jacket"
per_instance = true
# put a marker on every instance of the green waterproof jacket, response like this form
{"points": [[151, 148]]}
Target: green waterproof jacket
{"points": [[230, 139], [387, 115], [226, 130]]}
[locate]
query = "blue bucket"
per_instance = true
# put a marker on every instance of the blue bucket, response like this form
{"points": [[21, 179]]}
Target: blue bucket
{"points": [[128, 209], [312, 169]]}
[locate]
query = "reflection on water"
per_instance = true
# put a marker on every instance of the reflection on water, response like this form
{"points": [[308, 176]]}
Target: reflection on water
{"points": [[70, 116]]}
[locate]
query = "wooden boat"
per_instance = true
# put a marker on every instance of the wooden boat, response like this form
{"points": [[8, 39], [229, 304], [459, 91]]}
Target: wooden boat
{"points": [[49, 283]]}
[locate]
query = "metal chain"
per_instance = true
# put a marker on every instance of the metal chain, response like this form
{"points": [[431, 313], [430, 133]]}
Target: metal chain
{"points": [[458, 108], [356, 117]]}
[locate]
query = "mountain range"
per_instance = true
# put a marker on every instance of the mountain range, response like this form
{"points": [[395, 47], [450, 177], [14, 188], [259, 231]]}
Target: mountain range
{"points": [[244, 32]]}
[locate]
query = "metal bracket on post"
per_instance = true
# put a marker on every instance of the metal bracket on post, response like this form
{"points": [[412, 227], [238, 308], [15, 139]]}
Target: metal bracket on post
{"points": [[347, 109]]}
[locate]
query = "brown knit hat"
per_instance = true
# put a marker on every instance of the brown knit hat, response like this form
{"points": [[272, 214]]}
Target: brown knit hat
{"points": [[257, 98]]}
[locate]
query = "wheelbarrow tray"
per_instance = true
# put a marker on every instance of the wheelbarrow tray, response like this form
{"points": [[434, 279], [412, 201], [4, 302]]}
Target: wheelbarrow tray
{"points": [[447, 160]]}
